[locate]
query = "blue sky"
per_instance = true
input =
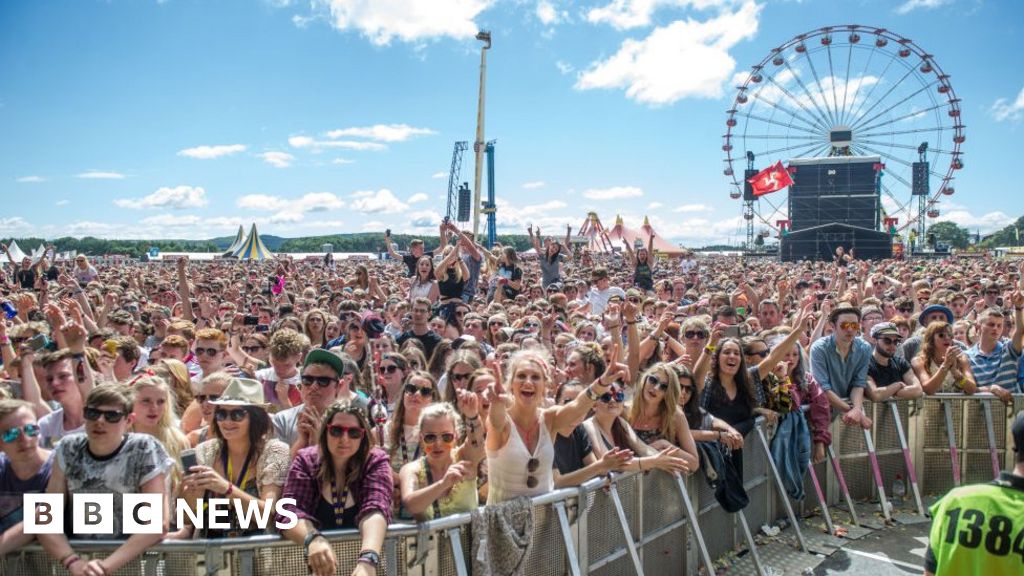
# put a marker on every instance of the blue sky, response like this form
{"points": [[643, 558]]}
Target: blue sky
{"points": [[186, 118]]}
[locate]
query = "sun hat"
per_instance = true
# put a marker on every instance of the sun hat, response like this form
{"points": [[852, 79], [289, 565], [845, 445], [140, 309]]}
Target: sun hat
{"points": [[935, 308], [321, 356], [242, 392]]}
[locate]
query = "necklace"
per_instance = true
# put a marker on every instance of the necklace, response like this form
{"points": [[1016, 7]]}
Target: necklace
{"points": [[340, 499]]}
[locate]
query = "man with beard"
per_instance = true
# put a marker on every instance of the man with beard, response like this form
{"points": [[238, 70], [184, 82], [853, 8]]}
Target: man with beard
{"points": [[890, 375]]}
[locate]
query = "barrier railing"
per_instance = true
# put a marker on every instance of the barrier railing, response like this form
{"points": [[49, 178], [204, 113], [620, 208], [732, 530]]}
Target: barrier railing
{"points": [[640, 523]]}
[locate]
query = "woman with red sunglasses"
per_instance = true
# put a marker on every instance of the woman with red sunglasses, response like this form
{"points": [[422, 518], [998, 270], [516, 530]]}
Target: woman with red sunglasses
{"points": [[342, 482]]}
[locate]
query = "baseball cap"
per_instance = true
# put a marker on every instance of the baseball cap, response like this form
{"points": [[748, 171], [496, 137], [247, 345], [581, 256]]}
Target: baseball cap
{"points": [[321, 356], [884, 329]]}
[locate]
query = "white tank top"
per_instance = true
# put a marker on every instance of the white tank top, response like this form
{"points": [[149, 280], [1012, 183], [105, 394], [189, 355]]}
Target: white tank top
{"points": [[507, 467], [418, 290]]}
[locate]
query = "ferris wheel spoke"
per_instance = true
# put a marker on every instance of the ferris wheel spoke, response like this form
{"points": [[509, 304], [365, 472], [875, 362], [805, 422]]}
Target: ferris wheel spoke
{"points": [[904, 146], [914, 131], [817, 81], [787, 148], [859, 105], [780, 107], [846, 81], [832, 79], [777, 137], [777, 123], [860, 123], [907, 116], [891, 173], [815, 120], [902, 207], [821, 116], [858, 120]]}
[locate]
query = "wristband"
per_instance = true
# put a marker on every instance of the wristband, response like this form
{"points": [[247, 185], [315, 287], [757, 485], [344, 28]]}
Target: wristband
{"points": [[69, 559], [5, 341], [227, 492], [591, 394], [631, 323], [309, 540], [369, 557], [710, 349]]}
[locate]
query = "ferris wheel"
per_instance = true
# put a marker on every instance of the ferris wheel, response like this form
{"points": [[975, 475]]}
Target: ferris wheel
{"points": [[848, 90]]}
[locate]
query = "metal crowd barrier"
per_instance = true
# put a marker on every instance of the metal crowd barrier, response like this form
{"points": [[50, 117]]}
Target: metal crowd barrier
{"points": [[641, 523]]}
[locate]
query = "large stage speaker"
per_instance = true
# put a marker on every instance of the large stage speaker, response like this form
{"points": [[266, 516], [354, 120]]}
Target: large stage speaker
{"points": [[919, 183], [839, 189], [748, 190]]}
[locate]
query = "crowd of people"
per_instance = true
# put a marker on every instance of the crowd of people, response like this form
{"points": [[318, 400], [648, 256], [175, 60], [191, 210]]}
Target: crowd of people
{"points": [[440, 380]]}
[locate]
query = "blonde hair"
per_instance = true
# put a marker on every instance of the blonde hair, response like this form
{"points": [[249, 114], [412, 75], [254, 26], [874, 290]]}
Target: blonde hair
{"points": [[457, 266], [175, 373], [441, 410], [669, 402], [173, 440]]}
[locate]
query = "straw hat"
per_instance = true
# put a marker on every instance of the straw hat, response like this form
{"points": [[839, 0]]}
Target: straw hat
{"points": [[242, 392]]}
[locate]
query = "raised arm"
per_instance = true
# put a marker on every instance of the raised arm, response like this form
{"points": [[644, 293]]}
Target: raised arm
{"points": [[535, 241], [568, 240], [183, 290], [779, 352], [563, 419]]}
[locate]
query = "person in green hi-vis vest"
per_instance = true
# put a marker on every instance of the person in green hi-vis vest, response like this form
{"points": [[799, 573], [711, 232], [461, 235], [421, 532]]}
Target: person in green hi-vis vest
{"points": [[979, 529]]}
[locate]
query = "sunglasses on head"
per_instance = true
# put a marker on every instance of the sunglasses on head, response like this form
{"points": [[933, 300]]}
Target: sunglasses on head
{"points": [[654, 382], [608, 397], [691, 334], [321, 381], [112, 416], [30, 430], [446, 438], [207, 351], [234, 415], [425, 391], [388, 369], [207, 397], [353, 432]]}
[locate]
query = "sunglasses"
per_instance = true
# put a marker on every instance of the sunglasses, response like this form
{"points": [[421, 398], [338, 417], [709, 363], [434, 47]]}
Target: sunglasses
{"points": [[608, 397], [992, 292], [944, 335], [208, 351], [653, 382], [634, 300], [234, 415], [499, 324], [426, 391], [30, 430], [112, 416], [207, 397], [759, 353], [251, 349], [529, 325], [321, 381], [353, 432], [890, 341], [688, 389], [446, 438], [389, 369], [691, 334], [455, 376], [906, 309], [532, 465], [850, 325]]}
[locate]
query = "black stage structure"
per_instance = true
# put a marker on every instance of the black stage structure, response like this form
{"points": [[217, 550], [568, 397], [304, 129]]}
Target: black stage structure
{"points": [[835, 202]]}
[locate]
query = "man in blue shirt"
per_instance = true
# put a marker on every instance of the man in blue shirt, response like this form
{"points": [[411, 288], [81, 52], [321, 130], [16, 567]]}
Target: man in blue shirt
{"points": [[995, 360], [840, 363]]}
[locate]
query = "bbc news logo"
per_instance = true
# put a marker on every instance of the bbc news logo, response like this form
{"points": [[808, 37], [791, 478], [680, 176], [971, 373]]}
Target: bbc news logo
{"points": [[144, 513]]}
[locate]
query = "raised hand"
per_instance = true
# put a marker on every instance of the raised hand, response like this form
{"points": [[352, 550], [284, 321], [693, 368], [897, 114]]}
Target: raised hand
{"points": [[468, 403], [616, 459]]}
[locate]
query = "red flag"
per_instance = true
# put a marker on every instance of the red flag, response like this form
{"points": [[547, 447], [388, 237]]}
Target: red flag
{"points": [[771, 179]]}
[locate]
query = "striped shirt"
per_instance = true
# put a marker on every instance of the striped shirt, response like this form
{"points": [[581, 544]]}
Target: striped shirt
{"points": [[997, 368]]}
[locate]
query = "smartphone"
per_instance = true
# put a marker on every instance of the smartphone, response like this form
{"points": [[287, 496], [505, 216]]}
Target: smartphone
{"points": [[37, 342], [188, 460], [387, 232], [285, 310], [741, 310], [251, 320], [262, 328], [731, 332]]}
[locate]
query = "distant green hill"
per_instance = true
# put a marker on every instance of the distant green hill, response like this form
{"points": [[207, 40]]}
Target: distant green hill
{"points": [[1008, 236]]}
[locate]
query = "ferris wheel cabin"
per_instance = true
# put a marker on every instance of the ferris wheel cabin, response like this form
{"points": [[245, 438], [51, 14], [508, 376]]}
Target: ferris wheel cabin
{"points": [[835, 201]]}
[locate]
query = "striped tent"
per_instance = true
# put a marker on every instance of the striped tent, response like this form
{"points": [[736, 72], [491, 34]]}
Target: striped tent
{"points": [[252, 248], [16, 253], [239, 240]]}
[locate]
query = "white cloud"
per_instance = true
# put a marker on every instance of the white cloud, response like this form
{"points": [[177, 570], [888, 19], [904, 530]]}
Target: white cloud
{"points": [[13, 224], [381, 132], [985, 223], [411, 21], [339, 161], [178, 198], [171, 220], [564, 67], [277, 159], [911, 5], [613, 193], [31, 179], [100, 175], [417, 197], [210, 152], [381, 201], [533, 185], [625, 14], [439, 175], [654, 205], [692, 208], [1004, 111], [373, 226], [548, 14], [317, 145], [424, 219], [291, 209], [649, 69], [60, 203]]}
